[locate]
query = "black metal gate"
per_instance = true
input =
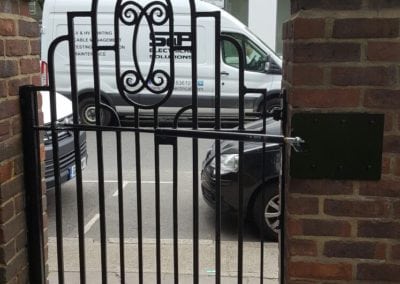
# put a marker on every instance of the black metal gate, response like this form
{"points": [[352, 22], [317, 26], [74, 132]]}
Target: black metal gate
{"points": [[131, 82]]}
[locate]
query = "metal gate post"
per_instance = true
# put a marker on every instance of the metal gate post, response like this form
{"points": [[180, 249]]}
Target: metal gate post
{"points": [[33, 190]]}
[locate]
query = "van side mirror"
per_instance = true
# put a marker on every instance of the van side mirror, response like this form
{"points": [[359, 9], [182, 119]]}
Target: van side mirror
{"points": [[271, 67]]}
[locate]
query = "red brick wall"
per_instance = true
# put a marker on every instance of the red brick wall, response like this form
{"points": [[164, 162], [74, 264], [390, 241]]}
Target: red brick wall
{"points": [[19, 65], [344, 56]]}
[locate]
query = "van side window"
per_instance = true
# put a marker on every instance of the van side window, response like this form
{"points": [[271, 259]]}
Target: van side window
{"points": [[255, 56]]}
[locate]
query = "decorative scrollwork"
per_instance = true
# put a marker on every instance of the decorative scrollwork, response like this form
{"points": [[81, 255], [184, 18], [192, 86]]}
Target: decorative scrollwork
{"points": [[157, 13], [145, 78], [131, 82], [159, 82], [130, 13]]}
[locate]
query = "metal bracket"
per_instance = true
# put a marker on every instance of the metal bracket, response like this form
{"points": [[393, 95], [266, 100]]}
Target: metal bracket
{"points": [[344, 146]]}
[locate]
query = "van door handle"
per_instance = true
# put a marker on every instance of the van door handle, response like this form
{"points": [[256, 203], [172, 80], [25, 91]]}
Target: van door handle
{"points": [[224, 73]]}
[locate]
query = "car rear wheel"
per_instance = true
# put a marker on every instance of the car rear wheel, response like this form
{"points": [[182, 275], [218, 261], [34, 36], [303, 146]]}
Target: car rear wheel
{"points": [[270, 105], [266, 211], [87, 112]]}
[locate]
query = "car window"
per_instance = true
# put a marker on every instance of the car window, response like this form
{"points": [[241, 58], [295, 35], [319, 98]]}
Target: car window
{"points": [[255, 56]]}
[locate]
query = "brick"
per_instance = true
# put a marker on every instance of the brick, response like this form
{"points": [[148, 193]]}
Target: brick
{"points": [[3, 89], [9, 108], [323, 271], [29, 66], [381, 98], [2, 50], [362, 250], [11, 188], [4, 131], [13, 267], [326, 5], [397, 167], [386, 4], [386, 168], [306, 28], [8, 68], [383, 188], [7, 252], [391, 144], [18, 165], [379, 229], [383, 51], [356, 208], [10, 148], [388, 126], [7, 27], [395, 253], [19, 203], [17, 47], [14, 84], [302, 205], [326, 52], [321, 187], [9, 7], [378, 272], [12, 227], [363, 76], [35, 47], [313, 227], [396, 209], [298, 247], [28, 28], [306, 75], [36, 80], [326, 98], [21, 241], [366, 28], [6, 171], [6, 212], [24, 9]]}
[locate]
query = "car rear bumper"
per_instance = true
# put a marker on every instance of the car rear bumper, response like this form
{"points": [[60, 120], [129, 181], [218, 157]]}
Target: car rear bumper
{"points": [[66, 162]]}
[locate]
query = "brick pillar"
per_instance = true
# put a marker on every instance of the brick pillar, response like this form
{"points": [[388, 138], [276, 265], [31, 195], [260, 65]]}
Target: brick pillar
{"points": [[19, 65], [344, 56]]}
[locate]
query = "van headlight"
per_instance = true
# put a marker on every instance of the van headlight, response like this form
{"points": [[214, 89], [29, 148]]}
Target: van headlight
{"points": [[229, 164]]}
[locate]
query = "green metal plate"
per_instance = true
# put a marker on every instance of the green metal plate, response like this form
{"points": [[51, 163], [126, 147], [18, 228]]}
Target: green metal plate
{"points": [[340, 146]]}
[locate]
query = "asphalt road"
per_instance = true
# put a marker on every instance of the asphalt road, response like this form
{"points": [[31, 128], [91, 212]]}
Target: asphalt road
{"points": [[185, 193]]}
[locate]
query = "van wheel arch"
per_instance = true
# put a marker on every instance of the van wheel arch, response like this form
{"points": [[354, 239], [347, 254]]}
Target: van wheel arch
{"points": [[271, 103], [87, 109]]}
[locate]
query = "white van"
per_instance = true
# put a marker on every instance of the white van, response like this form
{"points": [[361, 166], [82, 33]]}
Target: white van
{"points": [[262, 69]]}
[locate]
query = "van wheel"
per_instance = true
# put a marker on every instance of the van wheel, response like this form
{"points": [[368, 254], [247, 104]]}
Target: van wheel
{"points": [[270, 105], [87, 112], [266, 211]]}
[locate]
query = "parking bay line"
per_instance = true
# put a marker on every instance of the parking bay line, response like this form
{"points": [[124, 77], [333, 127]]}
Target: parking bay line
{"points": [[92, 221]]}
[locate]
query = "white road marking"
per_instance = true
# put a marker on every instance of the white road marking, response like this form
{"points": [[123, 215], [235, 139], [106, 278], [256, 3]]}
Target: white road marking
{"points": [[123, 187], [92, 221]]}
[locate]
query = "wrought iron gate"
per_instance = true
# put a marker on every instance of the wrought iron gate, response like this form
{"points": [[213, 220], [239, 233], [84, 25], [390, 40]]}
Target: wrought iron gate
{"points": [[130, 82]]}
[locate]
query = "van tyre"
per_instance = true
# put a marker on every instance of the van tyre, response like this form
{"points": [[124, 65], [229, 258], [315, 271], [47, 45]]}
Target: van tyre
{"points": [[266, 211], [87, 112], [270, 105]]}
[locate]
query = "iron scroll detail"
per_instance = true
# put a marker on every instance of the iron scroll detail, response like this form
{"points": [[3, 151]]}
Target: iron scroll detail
{"points": [[135, 79]]}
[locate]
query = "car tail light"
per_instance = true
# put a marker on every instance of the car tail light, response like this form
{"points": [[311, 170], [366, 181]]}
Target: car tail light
{"points": [[44, 73]]}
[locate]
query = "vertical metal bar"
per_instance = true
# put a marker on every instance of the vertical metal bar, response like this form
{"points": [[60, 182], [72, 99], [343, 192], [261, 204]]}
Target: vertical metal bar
{"points": [[57, 183], [99, 140], [242, 92], [175, 210], [121, 208], [262, 234], [218, 147], [32, 176], [195, 144], [77, 149], [157, 198], [282, 238], [139, 196]]}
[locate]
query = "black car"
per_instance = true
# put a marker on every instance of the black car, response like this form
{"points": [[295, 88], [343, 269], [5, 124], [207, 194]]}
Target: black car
{"points": [[66, 149], [264, 214]]}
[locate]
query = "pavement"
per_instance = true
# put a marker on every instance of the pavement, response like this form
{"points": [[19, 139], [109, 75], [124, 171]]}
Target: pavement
{"points": [[251, 261]]}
